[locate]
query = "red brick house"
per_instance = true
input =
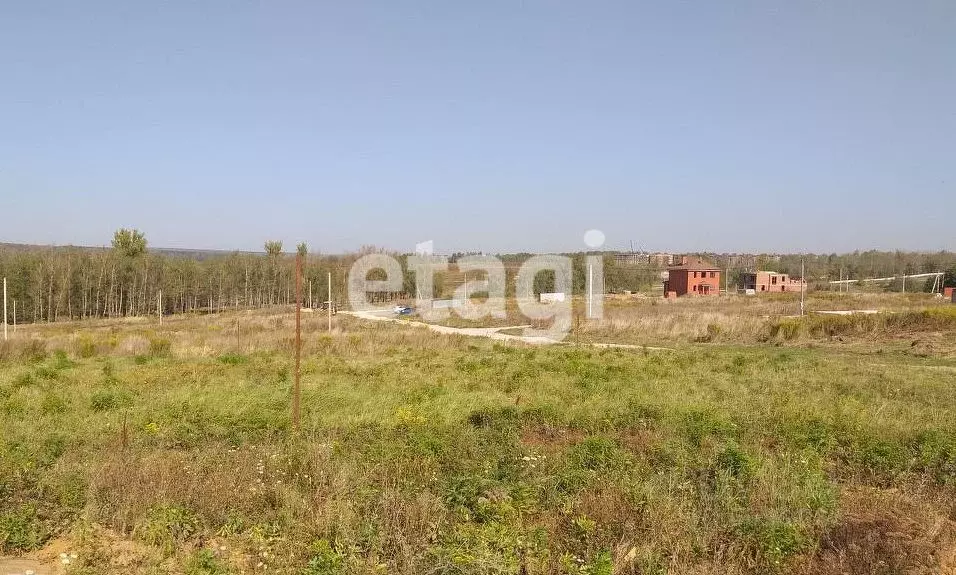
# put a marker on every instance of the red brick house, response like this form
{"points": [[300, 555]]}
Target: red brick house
{"points": [[771, 282], [692, 276]]}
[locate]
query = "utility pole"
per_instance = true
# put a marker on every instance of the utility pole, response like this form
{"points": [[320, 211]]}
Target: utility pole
{"points": [[904, 282], [297, 390], [590, 288], [4, 309], [803, 285], [330, 302], [159, 306], [14, 317], [310, 294]]}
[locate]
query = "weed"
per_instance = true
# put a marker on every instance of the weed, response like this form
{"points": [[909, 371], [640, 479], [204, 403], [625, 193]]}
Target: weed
{"points": [[159, 347], [205, 562], [771, 542], [597, 453], [167, 526], [232, 359], [326, 559], [109, 399], [494, 417], [20, 530], [734, 461]]}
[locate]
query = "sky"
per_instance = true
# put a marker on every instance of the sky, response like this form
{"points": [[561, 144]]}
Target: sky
{"points": [[501, 125]]}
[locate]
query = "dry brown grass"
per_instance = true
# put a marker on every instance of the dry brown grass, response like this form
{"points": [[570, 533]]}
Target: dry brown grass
{"points": [[885, 532]]}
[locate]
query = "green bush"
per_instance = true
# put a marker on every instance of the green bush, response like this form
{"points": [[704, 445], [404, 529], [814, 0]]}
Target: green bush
{"points": [[597, 453], [167, 526], [326, 559], [205, 562], [771, 542], [109, 399], [62, 361], [20, 530], [53, 404], [734, 461]]}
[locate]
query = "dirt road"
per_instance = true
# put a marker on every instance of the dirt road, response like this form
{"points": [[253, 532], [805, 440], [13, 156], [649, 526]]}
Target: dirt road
{"points": [[488, 332]]}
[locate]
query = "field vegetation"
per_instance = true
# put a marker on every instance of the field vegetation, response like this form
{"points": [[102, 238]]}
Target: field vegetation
{"points": [[146, 449]]}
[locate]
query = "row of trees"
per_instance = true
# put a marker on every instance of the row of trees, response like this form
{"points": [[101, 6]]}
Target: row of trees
{"points": [[57, 283]]}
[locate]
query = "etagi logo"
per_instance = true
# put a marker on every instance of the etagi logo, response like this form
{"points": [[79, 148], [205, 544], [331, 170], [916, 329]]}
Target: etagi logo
{"points": [[477, 299]]}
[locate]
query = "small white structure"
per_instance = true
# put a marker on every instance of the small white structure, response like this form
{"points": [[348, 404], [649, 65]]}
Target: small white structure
{"points": [[552, 297]]}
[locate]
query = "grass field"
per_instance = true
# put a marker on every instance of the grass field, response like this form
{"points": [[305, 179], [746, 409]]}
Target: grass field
{"points": [[749, 448]]}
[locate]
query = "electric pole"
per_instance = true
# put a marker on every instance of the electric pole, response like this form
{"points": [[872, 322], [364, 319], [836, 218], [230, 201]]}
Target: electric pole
{"points": [[297, 389], [803, 285]]}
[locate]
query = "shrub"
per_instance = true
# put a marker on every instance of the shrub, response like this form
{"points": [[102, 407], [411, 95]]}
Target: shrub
{"points": [[882, 457], [159, 347], [786, 329], [61, 361], [85, 348], [713, 331], [326, 559], [25, 379], [697, 425], [232, 359], [52, 404], [734, 461], [109, 399], [205, 562], [494, 417], [478, 498], [33, 351], [935, 452], [597, 453], [771, 542], [167, 526], [19, 531]]}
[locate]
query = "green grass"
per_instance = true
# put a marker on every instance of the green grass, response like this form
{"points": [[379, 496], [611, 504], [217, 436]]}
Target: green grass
{"points": [[419, 454]]}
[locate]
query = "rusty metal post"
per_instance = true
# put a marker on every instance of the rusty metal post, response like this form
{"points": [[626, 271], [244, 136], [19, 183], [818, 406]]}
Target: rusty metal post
{"points": [[297, 390]]}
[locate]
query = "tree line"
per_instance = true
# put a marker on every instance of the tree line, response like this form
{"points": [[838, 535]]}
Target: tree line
{"points": [[128, 279]]}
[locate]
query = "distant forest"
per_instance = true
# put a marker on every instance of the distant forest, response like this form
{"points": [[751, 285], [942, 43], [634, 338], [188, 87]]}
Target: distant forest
{"points": [[60, 283]]}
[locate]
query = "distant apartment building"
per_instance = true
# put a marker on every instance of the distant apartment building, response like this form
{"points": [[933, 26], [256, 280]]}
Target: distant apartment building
{"points": [[657, 260], [630, 258], [661, 260], [762, 282], [692, 276]]}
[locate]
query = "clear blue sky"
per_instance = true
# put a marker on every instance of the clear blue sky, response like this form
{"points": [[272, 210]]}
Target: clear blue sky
{"points": [[765, 125]]}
